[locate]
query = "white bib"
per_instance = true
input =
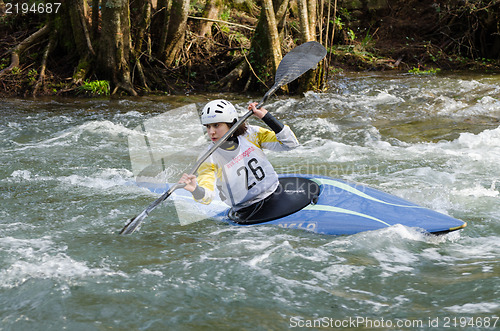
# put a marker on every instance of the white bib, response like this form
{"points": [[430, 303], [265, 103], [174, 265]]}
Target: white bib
{"points": [[247, 175]]}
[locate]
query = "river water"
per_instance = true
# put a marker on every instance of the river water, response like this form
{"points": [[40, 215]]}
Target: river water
{"points": [[67, 189]]}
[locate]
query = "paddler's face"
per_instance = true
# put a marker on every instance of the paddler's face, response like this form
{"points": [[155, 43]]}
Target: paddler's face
{"points": [[216, 130]]}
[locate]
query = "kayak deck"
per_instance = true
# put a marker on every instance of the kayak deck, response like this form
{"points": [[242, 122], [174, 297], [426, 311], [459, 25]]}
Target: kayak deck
{"points": [[341, 208]]}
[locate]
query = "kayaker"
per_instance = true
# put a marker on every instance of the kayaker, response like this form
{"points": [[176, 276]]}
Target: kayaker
{"points": [[239, 168]]}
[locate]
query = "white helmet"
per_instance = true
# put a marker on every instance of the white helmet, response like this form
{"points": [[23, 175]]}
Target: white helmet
{"points": [[218, 111]]}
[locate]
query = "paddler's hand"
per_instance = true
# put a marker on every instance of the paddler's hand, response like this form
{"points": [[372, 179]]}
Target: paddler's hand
{"points": [[190, 181], [260, 113]]}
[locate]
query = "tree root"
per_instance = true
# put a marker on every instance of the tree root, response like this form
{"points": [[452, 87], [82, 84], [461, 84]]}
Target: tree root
{"points": [[142, 77], [140, 71], [46, 53], [22, 46], [125, 87]]}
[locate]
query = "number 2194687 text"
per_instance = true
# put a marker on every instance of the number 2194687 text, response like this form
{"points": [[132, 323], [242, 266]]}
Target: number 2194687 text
{"points": [[35, 8]]}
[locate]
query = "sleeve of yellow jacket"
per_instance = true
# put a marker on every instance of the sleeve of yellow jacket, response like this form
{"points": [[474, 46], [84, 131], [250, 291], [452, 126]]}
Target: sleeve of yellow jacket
{"points": [[207, 173], [263, 138]]}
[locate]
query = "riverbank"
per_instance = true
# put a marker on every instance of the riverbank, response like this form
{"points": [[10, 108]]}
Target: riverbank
{"points": [[183, 80], [408, 36]]}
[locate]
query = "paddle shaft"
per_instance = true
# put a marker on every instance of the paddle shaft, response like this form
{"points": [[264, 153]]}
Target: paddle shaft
{"points": [[132, 225]]}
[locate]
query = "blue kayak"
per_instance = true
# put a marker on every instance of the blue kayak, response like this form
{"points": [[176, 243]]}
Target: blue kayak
{"points": [[324, 205]]}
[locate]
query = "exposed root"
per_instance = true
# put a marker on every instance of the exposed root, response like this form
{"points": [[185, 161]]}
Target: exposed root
{"points": [[46, 53], [22, 46], [125, 87]]}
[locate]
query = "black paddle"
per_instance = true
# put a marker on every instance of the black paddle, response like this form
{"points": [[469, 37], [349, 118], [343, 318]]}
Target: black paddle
{"points": [[294, 64]]}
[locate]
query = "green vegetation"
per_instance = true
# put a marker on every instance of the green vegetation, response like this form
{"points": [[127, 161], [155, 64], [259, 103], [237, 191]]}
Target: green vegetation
{"points": [[418, 71], [95, 88]]}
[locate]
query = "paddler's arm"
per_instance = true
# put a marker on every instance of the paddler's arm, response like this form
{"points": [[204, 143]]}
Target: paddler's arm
{"points": [[281, 138], [190, 181], [267, 117], [201, 187], [192, 186]]}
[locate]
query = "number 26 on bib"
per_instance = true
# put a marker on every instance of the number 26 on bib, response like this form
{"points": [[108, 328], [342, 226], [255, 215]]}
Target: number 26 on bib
{"points": [[252, 172]]}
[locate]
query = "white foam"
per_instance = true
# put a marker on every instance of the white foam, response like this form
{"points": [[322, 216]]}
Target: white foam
{"points": [[487, 105], [152, 273], [489, 139], [395, 255], [477, 191], [458, 97], [445, 105], [14, 125], [486, 248], [20, 175], [384, 97], [468, 153], [71, 136], [339, 272], [475, 308], [102, 180], [103, 127], [318, 126], [14, 244], [394, 234], [280, 253], [42, 259]]}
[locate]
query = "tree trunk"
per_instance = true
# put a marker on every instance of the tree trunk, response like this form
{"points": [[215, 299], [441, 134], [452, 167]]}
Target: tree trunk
{"points": [[273, 35], [311, 80], [256, 61], [142, 22], [114, 48], [78, 13], [2, 8], [328, 40], [236, 74], [261, 49], [211, 11], [312, 8], [95, 19], [81, 37], [281, 9], [304, 21], [160, 24], [142, 38], [41, 76], [177, 25]]}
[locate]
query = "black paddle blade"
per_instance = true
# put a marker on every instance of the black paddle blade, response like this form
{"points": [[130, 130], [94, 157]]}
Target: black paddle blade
{"points": [[295, 63], [134, 223], [298, 61]]}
